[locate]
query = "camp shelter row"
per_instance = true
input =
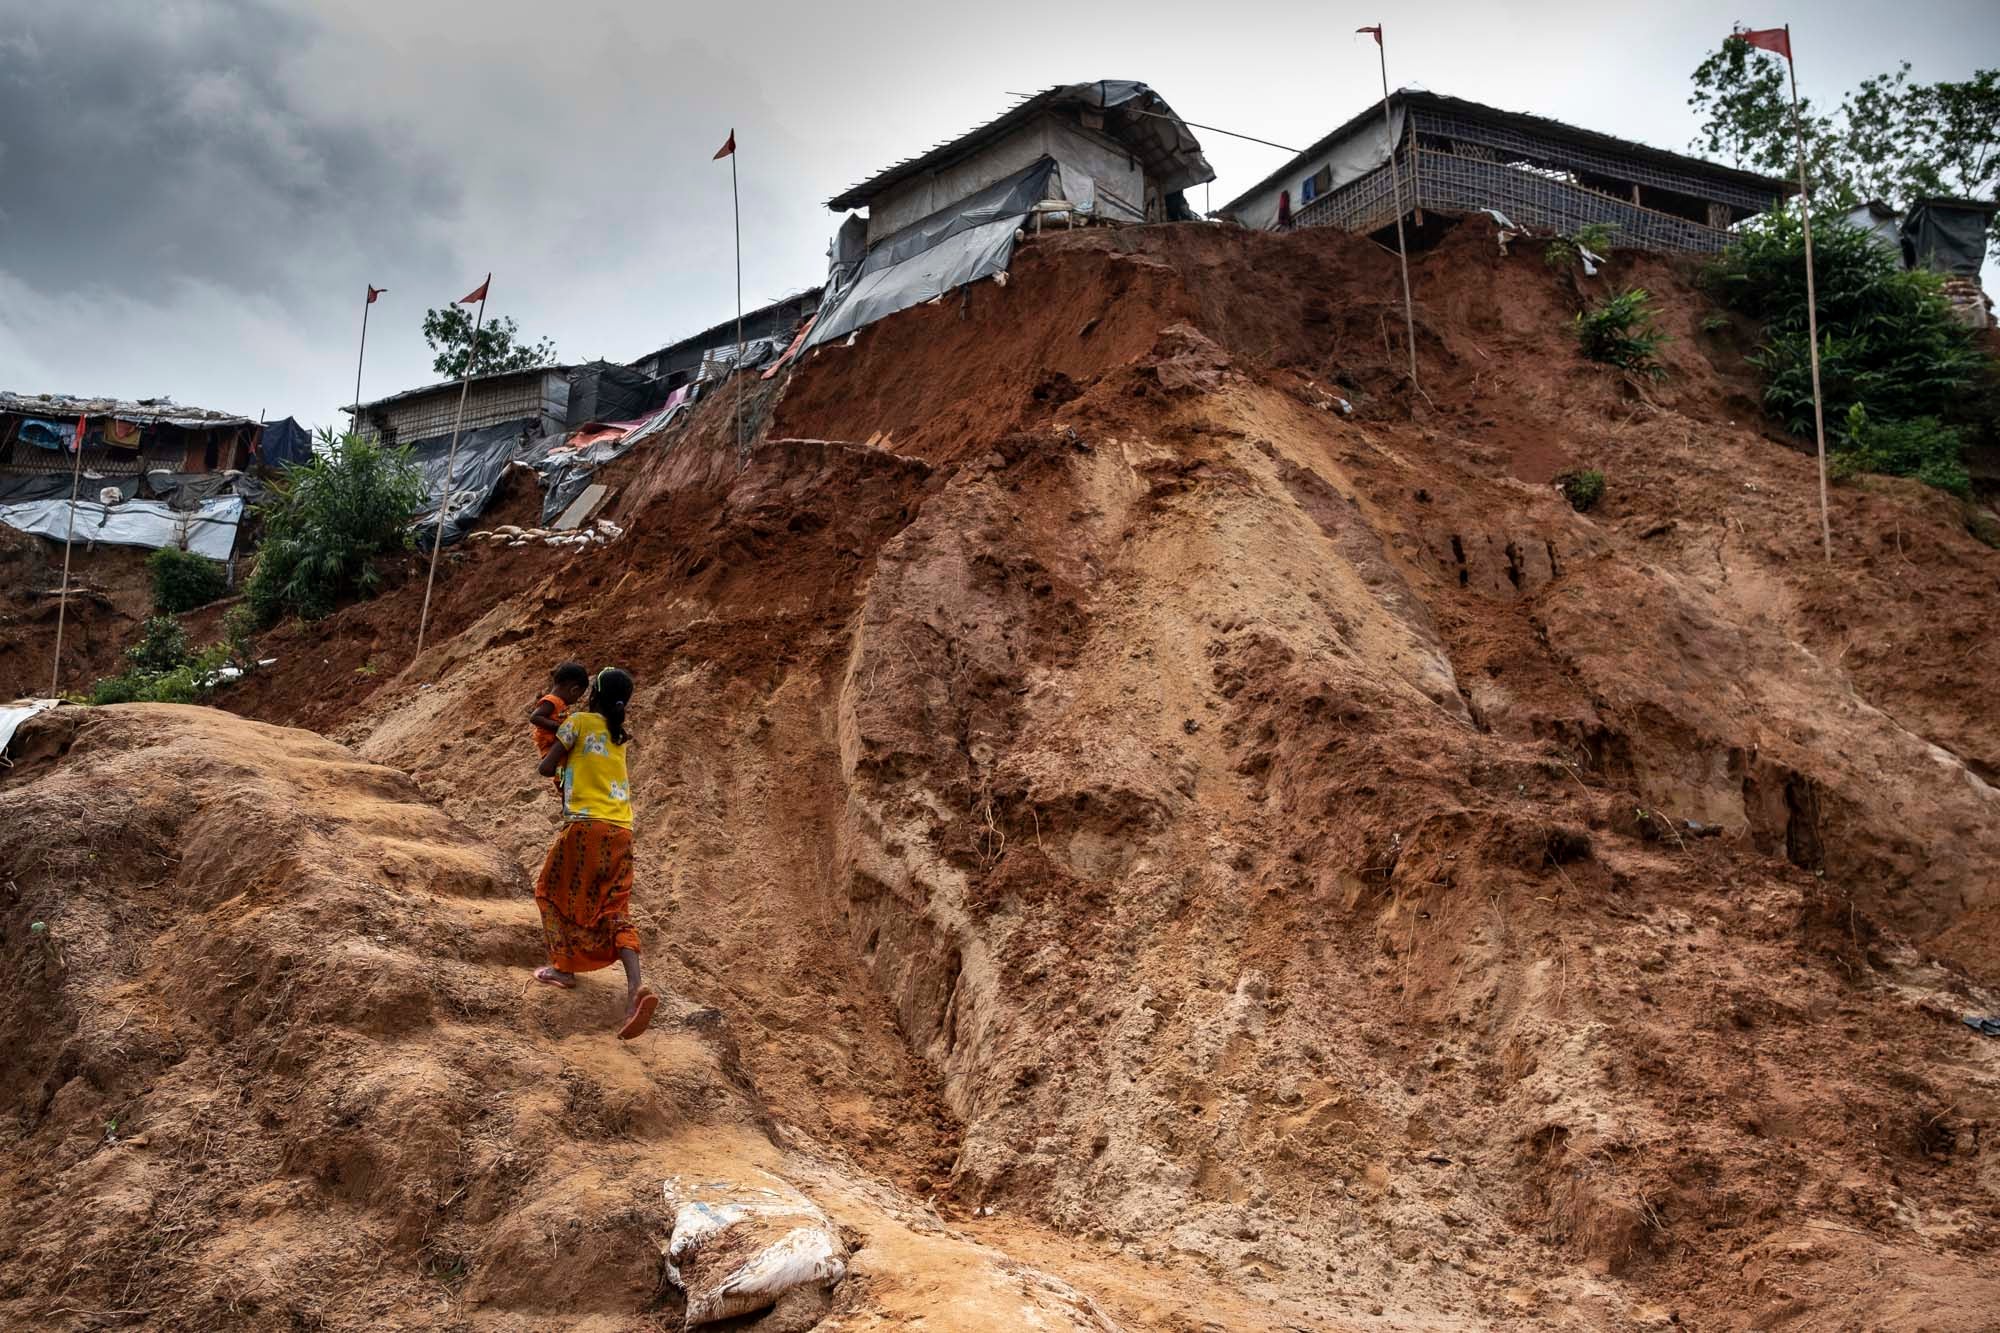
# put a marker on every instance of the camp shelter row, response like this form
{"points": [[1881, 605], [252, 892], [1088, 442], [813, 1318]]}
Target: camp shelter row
{"points": [[148, 473], [1114, 153]]}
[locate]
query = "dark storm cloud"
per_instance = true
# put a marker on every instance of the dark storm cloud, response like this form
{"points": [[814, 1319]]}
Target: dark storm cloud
{"points": [[193, 192], [143, 142]]}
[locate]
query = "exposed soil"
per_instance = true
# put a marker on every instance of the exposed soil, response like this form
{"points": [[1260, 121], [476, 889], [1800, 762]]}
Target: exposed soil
{"points": [[1140, 845]]}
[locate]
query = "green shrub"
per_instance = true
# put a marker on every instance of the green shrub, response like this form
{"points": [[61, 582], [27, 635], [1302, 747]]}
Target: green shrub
{"points": [[239, 635], [1619, 331], [163, 670], [191, 679], [325, 524], [183, 580], [1926, 449], [162, 646], [1583, 488], [1889, 345], [1566, 251]]}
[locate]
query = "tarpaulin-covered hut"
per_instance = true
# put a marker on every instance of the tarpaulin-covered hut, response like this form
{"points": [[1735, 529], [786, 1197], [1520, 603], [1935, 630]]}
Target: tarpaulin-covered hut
{"points": [[1110, 151], [153, 472]]}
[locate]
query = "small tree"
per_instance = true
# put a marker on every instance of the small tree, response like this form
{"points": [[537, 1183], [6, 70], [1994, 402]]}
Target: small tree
{"points": [[1888, 139], [327, 521], [449, 332]]}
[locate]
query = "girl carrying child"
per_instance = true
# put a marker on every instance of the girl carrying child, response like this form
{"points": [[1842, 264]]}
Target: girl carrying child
{"points": [[585, 888]]}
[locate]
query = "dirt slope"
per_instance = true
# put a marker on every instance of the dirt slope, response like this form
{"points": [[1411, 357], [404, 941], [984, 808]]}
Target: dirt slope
{"points": [[1223, 851]]}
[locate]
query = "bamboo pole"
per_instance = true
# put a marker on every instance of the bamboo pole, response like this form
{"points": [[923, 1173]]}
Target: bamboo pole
{"points": [[1396, 184], [451, 465], [69, 537], [1812, 301]]}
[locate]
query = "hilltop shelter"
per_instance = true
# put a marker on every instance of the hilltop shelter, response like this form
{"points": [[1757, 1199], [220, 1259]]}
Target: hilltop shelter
{"points": [[1457, 157], [1947, 236], [510, 416], [154, 473], [1882, 223], [1110, 151], [705, 355]]}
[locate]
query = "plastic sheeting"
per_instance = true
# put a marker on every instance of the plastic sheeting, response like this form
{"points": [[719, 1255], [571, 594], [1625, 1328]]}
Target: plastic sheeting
{"points": [[285, 444], [1946, 235], [566, 468], [1344, 161], [207, 530], [482, 456], [930, 257], [14, 714]]}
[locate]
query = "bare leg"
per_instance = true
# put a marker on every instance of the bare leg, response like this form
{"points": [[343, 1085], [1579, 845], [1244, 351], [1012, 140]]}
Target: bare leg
{"points": [[629, 958]]}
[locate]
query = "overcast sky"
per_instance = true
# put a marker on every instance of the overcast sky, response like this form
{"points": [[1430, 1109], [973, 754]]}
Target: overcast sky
{"points": [[194, 193]]}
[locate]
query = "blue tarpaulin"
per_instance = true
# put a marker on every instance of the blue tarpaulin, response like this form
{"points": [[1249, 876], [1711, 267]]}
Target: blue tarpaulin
{"points": [[47, 434]]}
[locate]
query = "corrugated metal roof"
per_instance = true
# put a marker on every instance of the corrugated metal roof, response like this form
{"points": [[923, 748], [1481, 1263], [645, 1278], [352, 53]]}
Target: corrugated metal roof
{"points": [[143, 411], [809, 295], [1417, 97], [488, 377]]}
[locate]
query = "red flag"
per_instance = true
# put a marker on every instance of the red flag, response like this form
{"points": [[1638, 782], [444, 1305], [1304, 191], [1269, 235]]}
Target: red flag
{"points": [[374, 292], [1770, 39], [77, 448], [728, 147], [477, 293], [1376, 30]]}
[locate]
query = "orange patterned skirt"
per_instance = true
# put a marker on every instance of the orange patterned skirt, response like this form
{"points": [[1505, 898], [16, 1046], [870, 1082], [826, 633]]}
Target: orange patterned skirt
{"points": [[585, 896]]}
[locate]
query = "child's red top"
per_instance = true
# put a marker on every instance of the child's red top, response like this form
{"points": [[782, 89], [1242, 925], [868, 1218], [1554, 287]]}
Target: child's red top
{"points": [[559, 711]]}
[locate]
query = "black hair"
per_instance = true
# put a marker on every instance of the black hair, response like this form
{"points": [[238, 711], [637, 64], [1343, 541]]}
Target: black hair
{"points": [[571, 673], [609, 694]]}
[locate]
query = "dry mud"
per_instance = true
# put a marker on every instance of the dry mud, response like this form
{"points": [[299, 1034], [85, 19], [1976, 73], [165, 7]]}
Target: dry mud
{"points": [[1140, 846]]}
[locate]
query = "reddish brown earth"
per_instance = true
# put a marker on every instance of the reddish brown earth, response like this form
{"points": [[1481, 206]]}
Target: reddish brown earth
{"points": [[1140, 847]]}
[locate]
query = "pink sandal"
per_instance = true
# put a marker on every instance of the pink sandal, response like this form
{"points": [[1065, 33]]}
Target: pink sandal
{"points": [[548, 976], [641, 1015]]}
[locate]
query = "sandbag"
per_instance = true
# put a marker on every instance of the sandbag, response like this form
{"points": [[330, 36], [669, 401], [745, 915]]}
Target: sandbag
{"points": [[738, 1249]]}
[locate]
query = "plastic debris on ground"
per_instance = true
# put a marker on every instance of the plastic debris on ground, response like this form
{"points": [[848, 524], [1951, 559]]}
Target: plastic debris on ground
{"points": [[737, 1249], [14, 714]]}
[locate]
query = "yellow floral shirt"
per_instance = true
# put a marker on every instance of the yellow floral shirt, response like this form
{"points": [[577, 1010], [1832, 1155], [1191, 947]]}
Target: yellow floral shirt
{"points": [[595, 785]]}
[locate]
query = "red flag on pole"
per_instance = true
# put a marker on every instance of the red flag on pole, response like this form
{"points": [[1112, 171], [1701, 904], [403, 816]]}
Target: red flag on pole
{"points": [[77, 447], [374, 292], [728, 147], [477, 294], [1376, 31], [1769, 39]]}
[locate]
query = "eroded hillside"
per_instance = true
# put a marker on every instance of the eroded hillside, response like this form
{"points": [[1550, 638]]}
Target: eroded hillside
{"points": [[1130, 836]]}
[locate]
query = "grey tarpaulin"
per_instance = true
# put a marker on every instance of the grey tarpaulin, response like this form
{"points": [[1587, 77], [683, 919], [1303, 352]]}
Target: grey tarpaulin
{"points": [[954, 246], [844, 255], [209, 530], [284, 443], [565, 472], [482, 456], [186, 490], [16, 487], [1947, 235]]}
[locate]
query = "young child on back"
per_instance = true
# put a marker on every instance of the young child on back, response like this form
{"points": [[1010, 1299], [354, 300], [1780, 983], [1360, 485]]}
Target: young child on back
{"points": [[566, 685]]}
